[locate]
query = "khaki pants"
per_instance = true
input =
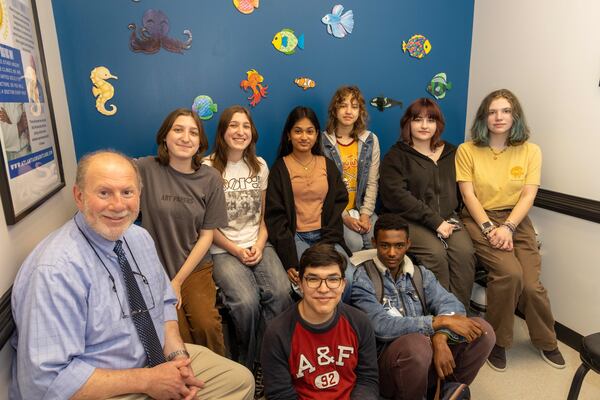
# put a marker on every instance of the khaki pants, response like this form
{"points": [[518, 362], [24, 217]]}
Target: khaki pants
{"points": [[223, 378], [514, 282], [199, 321]]}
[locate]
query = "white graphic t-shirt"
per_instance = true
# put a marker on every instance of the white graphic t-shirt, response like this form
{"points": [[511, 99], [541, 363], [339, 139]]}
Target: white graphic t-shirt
{"points": [[243, 202]]}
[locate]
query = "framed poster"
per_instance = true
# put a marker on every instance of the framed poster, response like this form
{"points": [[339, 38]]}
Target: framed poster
{"points": [[31, 167]]}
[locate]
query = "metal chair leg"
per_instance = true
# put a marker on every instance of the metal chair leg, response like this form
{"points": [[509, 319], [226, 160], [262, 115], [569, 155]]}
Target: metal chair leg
{"points": [[577, 381]]}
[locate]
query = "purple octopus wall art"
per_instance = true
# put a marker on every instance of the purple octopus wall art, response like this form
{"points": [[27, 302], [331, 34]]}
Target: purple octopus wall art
{"points": [[153, 34]]}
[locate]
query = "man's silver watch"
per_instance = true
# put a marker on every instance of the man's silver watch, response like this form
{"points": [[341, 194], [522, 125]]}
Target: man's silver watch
{"points": [[180, 352]]}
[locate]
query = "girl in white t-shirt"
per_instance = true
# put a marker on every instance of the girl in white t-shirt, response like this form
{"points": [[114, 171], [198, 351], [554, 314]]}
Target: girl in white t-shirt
{"points": [[246, 266]]}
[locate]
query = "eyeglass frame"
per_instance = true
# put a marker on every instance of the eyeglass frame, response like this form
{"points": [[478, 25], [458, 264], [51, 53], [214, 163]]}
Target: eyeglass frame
{"points": [[112, 278], [132, 313], [321, 280]]}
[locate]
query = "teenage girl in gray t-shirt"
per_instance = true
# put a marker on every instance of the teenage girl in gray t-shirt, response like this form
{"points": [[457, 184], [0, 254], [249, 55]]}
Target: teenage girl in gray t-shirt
{"points": [[182, 204]]}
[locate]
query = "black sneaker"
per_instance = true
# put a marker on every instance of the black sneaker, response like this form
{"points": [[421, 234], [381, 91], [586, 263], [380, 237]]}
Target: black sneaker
{"points": [[259, 387], [497, 359], [554, 358]]}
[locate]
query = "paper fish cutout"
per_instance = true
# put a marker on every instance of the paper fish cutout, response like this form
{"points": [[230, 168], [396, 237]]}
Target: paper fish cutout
{"points": [[439, 85], [286, 42], [154, 34], [102, 90], [305, 83], [246, 6], [338, 24], [418, 46], [254, 82], [204, 107], [381, 103]]}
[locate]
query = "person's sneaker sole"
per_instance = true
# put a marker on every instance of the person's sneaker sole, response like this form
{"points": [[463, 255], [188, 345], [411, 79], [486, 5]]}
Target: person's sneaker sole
{"points": [[492, 366], [552, 363]]}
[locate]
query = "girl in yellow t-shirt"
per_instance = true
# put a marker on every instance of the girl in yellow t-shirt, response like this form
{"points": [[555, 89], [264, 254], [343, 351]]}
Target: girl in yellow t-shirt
{"points": [[355, 151], [498, 173]]}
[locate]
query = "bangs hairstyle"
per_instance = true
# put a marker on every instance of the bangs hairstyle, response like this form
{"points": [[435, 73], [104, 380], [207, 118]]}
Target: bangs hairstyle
{"points": [[429, 109], [163, 131], [321, 255], [519, 132], [221, 149], [355, 95], [298, 113]]}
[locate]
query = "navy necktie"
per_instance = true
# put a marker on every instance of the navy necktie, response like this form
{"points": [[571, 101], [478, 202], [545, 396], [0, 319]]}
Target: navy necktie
{"points": [[139, 312]]}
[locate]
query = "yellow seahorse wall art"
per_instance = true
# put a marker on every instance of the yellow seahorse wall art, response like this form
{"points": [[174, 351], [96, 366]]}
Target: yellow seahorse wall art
{"points": [[102, 90]]}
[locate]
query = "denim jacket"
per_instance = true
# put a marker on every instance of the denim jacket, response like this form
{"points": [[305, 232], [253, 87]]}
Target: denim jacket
{"points": [[368, 167], [401, 312]]}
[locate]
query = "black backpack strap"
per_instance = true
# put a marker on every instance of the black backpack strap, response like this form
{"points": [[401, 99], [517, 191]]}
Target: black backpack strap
{"points": [[375, 276], [417, 281]]}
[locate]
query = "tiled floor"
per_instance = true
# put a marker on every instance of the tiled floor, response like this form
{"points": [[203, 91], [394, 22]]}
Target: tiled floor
{"points": [[528, 377]]}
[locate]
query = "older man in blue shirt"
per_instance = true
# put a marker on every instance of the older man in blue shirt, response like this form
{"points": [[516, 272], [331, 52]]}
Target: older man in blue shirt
{"points": [[77, 335]]}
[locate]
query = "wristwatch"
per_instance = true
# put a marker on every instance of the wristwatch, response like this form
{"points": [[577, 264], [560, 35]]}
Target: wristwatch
{"points": [[486, 225], [181, 352]]}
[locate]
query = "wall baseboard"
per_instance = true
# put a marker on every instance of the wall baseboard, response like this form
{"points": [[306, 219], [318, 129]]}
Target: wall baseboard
{"points": [[567, 204], [568, 336]]}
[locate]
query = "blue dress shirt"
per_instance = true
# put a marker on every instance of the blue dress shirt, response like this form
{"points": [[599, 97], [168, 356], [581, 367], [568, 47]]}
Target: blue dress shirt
{"points": [[69, 314]]}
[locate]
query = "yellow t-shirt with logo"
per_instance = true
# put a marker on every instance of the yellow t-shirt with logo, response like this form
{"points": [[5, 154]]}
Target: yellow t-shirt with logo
{"points": [[349, 158], [498, 179]]}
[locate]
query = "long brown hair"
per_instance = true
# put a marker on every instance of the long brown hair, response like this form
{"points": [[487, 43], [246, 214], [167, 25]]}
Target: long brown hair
{"points": [[430, 109], [163, 131], [519, 132], [220, 148], [361, 123]]}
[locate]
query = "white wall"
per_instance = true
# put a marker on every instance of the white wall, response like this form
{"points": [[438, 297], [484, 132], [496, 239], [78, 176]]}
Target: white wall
{"points": [[18, 240], [548, 53]]}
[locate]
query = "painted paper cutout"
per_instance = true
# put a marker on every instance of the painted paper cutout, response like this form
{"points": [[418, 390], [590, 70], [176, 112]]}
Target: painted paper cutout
{"points": [[439, 85], [246, 6], [254, 82], [338, 24], [204, 107], [418, 46], [382, 102], [305, 83], [154, 34], [286, 42], [102, 90]]}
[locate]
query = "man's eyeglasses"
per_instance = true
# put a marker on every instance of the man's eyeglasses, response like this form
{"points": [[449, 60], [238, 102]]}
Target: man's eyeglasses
{"points": [[144, 286], [332, 282]]}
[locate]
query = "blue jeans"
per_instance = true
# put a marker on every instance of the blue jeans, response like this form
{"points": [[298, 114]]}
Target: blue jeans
{"points": [[359, 241], [254, 295], [304, 240]]}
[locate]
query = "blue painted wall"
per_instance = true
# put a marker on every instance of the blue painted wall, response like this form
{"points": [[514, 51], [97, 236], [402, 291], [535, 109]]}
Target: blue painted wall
{"points": [[227, 43]]}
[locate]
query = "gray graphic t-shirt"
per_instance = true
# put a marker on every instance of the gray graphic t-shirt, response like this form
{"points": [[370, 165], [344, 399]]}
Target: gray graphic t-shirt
{"points": [[176, 207]]}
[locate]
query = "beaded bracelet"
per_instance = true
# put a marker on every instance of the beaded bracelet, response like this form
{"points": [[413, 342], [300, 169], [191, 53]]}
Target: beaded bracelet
{"points": [[511, 226]]}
